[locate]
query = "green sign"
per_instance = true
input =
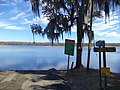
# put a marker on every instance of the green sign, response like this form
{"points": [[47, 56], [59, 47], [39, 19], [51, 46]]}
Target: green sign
{"points": [[69, 47]]}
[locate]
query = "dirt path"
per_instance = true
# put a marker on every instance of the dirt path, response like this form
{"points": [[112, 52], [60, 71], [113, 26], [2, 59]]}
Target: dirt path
{"points": [[12, 80], [55, 80]]}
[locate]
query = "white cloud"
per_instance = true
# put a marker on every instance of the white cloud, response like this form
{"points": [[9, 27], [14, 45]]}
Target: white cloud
{"points": [[105, 30], [10, 27], [14, 27], [12, 2], [3, 3], [107, 34], [74, 29], [2, 24], [18, 1], [15, 10], [18, 16], [1, 13], [44, 20], [25, 17], [26, 21], [113, 34], [101, 26], [109, 29]]}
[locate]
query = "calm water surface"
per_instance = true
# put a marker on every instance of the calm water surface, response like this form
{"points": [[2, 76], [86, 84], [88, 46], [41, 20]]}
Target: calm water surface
{"points": [[45, 57]]}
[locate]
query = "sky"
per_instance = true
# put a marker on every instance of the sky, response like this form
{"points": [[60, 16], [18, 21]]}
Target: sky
{"points": [[16, 17]]}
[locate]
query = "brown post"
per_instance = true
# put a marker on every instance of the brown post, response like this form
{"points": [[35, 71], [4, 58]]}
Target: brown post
{"points": [[100, 69], [104, 65]]}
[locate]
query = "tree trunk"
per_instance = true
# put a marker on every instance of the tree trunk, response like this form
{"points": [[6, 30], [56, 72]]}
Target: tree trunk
{"points": [[79, 39], [90, 37], [79, 50], [88, 59], [33, 38]]}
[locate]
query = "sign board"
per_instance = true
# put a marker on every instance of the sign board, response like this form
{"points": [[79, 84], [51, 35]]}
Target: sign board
{"points": [[105, 71], [100, 43], [105, 49], [69, 46]]}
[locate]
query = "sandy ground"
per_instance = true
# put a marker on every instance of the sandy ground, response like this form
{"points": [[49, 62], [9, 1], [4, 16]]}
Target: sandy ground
{"points": [[31, 80], [55, 80]]}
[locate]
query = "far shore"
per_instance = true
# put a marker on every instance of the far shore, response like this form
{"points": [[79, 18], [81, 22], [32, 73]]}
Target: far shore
{"points": [[48, 43]]}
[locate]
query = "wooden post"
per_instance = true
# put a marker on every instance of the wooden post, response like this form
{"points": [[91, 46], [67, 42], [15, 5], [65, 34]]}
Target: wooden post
{"points": [[100, 69], [103, 49], [104, 65], [72, 65]]}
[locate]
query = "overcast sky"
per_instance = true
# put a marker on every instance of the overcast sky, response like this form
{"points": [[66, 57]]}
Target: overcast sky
{"points": [[16, 17]]}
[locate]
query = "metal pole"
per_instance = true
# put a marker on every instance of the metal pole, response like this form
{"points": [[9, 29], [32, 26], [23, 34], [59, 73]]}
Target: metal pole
{"points": [[68, 62]]}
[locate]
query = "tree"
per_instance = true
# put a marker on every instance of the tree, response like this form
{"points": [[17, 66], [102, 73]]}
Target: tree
{"points": [[36, 29], [63, 14], [104, 4], [90, 35]]}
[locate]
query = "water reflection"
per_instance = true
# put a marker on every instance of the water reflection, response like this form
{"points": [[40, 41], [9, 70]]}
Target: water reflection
{"points": [[45, 57]]}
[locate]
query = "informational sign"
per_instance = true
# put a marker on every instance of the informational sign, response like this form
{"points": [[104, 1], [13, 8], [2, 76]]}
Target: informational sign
{"points": [[100, 47], [105, 49], [105, 71], [69, 46], [100, 43]]}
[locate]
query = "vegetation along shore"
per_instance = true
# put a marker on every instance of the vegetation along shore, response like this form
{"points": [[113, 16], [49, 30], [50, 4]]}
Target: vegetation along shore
{"points": [[49, 44]]}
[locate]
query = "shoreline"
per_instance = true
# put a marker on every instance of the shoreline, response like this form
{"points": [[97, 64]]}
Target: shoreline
{"points": [[49, 44]]}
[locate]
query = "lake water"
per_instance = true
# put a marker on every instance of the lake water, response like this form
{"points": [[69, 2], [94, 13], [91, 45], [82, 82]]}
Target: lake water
{"points": [[46, 57]]}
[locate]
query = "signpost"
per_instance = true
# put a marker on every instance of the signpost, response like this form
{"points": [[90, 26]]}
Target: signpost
{"points": [[103, 71], [100, 43], [69, 49], [105, 49]]}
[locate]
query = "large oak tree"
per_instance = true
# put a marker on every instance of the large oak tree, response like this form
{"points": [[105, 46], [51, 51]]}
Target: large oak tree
{"points": [[64, 14]]}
